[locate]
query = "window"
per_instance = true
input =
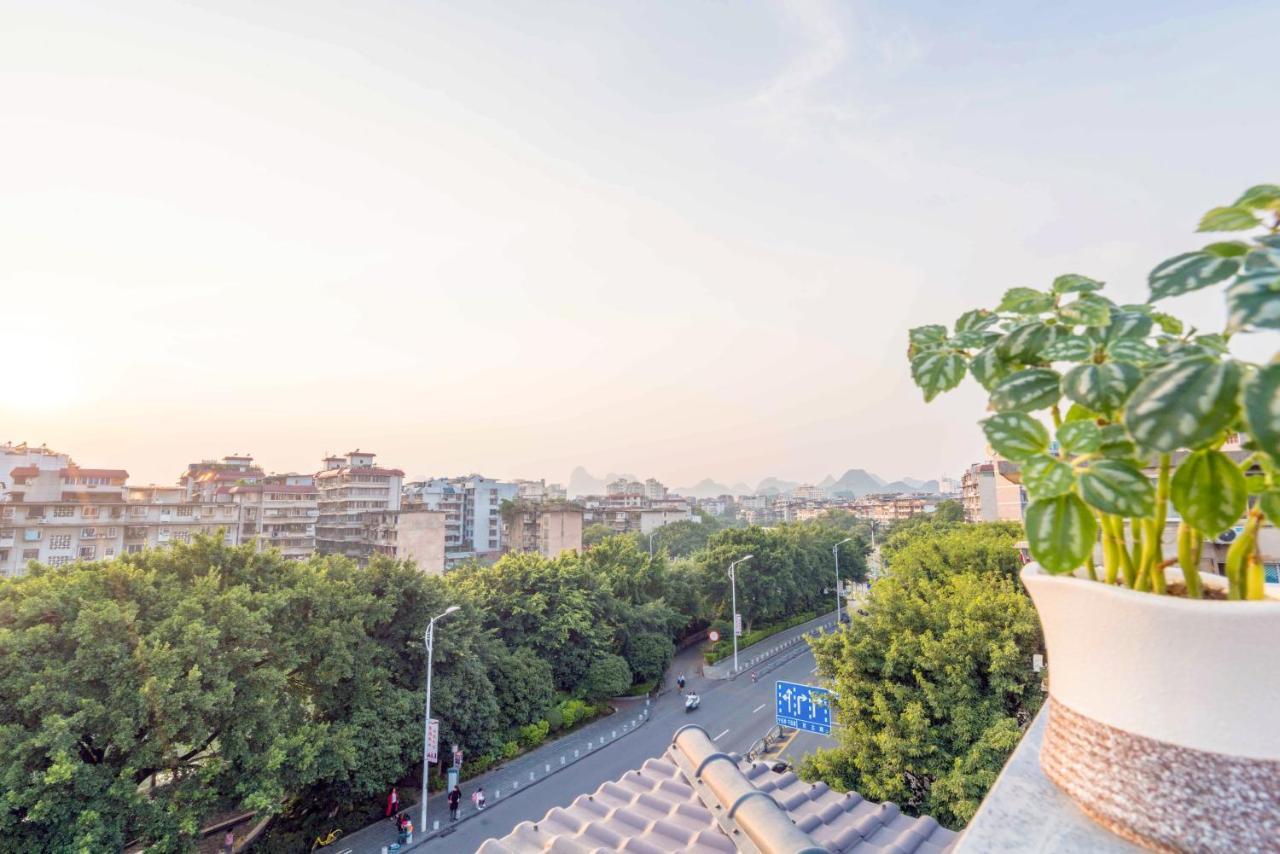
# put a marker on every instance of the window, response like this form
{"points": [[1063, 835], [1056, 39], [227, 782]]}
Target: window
{"points": [[88, 552], [133, 548], [30, 554], [112, 532], [88, 533], [182, 536], [35, 512], [61, 542], [110, 552], [63, 512], [185, 511], [4, 555], [89, 512], [6, 533], [31, 535], [59, 560]]}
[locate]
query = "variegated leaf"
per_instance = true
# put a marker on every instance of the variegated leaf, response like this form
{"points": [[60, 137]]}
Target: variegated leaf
{"points": [[1102, 388], [1088, 310], [1115, 486], [1262, 410], [1027, 391], [1075, 283], [927, 337], [989, 367], [1116, 443], [1047, 477], [1026, 343], [976, 320], [936, 371], [1188, 272], [1253, 299], [1229, 218], [1209, 490], [1127, 324], [1184, 404], [1015, 435], [1073, 348], [1133, 350], [1061, 532], [1080, 437], [1260, 197], [1025, 301]]}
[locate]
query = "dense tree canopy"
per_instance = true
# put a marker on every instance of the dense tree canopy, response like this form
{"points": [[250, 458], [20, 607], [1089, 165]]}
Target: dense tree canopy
{"points": [[935, 683]]}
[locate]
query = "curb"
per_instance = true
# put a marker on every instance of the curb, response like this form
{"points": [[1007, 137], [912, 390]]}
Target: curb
{"points": [[772, 652], [773, 659], [515, 786]]}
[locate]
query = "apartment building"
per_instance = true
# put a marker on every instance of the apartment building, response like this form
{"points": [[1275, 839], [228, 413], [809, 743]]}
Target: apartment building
{"points": [[280, 512], [890, 507], [547, 529], [212, 480], [473, 513], [156, 516], [410, 533], [809, 492], [349, 488], [58, 515], [992, 491], [653, 490], [540, 490]]}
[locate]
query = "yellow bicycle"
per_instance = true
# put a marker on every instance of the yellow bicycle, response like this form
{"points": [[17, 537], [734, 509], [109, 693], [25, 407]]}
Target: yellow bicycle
{"points": [[322, 841]]}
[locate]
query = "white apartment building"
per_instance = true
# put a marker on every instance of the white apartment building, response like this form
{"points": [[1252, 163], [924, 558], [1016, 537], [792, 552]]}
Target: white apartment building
{"points": [[539, 490], [280, 512], [653, 490], [59, 515], [348, 488], [622, 486], [159, 515], [992, 491], [473, 512], [211, 480], [809, 492]]}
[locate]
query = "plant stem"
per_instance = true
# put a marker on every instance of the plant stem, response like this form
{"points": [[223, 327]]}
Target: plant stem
{"points": [[1126, 563], [1238, 556], [1153, 556], [1255, 578], [1142, 579], [1093, 572], [1189, 541], [1110, 560]]}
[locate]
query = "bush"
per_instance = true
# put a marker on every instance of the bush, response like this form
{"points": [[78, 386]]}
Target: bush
{"points": [[608, 676], [510, 750], [555, 719], [649, 655], [724, 647], [531, 735], [572, 711]]}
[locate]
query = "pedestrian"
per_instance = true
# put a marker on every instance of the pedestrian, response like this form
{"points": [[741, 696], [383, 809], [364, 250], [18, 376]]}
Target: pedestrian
{"points": [[229, 842], [408, 830], [477, 797], [393, 803], [402, 829], [680, 681], [455, 798]]}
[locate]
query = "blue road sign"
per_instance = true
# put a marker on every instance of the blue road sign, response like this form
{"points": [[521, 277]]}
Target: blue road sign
{"points": [[804, 707]]}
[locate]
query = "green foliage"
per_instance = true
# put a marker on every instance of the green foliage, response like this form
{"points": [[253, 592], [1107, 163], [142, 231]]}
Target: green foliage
{"points": [[531, 735], [607, 677], [723, 648], [935, 682], [1144, 386], [593, 534], [523, 685], [649, 654]]}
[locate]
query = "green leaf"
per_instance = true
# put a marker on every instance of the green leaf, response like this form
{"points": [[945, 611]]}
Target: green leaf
{"points": [[1088, 310], [1072, 348], [972, 339], [1127, 324], [1080, 437], [1102, 388], [1253, 300], [1169, 324], [1228, 249], [937, 371], [1027, 391], [1231, 218], [1080, 413], [1027, 342], [989, 367], [1261, 197], [1015, 435], [1025, 301], [1061, 532], [1209, 491], [1188, 272], [976, 320], [1133, 350], [1074, 283], [1184, 404], [1270, 502], [1116, 443], [1256, 483], [928, 337], [1047, 477], [1262, 410], [1119, 487]]}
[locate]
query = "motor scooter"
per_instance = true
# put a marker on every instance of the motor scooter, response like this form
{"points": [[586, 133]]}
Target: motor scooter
{"points": [[691, 702]]}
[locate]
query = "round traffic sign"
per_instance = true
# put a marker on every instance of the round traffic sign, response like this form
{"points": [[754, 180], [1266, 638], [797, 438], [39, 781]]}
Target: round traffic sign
{"points": [[713, 636]]}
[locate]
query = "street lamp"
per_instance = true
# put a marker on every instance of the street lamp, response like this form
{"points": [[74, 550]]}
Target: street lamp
{"points": [[835, 553], [652, 534], [430, 640], [733, 582]]}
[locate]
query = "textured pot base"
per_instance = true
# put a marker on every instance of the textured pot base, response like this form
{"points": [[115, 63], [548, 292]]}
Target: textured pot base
{"points": [[1161, 795]]}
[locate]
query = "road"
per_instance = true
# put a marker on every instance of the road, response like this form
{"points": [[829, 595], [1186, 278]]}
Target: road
{"points": [[735, 713]]}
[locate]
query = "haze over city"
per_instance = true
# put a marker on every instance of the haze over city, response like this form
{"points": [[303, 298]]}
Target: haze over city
{"points": [[678, 240]]}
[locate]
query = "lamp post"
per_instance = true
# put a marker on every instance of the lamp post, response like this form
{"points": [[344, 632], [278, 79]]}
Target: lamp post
{"points": [[652, 534], [835, 553], [430, 640], [733, 583]]}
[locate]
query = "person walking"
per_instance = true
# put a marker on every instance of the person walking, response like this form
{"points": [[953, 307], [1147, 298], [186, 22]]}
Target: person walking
{"points": [[455, 798], [393, 804], [477, 797], [402, 830], [408, 830], [680, 681], [229, 842]]}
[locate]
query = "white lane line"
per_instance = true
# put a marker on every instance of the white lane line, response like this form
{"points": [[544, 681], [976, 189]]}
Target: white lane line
{"points": [[758, 708], [717, 738], [814, 670]]}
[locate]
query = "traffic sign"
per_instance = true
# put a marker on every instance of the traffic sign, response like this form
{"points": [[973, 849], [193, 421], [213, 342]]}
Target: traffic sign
{"points": [[433, 740], [713, 636], [804, 707]]}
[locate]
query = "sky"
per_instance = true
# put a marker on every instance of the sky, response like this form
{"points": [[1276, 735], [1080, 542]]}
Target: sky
{"points": [[679, 239]]}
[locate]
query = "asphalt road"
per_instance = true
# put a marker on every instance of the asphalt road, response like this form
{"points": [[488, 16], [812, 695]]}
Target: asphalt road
{"points": [[735, 714]]}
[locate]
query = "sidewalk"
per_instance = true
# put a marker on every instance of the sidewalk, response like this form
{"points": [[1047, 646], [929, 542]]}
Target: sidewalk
{"points": [[789, 640], [506, 780]]}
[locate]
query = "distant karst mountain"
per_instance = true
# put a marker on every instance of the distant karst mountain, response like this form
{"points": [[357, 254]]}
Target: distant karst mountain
{"points": [[856, 482], [853, 483], [708, 488], [582, 482], [775, 486]]}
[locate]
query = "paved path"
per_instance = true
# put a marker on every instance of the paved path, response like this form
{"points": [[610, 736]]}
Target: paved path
{"points": [[756, 656]]}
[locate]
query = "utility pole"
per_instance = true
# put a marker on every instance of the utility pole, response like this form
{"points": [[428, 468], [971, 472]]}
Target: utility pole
{"points": [[430, 640], [733, 583], [835, 553]]}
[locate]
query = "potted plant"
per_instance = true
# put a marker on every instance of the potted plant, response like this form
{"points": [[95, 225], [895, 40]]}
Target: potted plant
{"points": [[1138, 438]]}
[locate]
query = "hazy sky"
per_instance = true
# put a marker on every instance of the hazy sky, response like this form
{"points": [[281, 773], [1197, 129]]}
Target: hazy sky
{"points": [[679, 239]]}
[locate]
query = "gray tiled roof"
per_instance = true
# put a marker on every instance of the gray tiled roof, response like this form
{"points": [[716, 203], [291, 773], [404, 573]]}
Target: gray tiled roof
{"points": [[698, 801]]}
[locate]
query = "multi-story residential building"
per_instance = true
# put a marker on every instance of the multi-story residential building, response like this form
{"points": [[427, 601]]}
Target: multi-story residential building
{"points": [[59, 515], [809, 492], [349, 488], [653, 490], [889, 507], [280, 512], [622, 486], [159, 515], [753, 502], [948, 487], [992, 491], [473, 513], [410, 533], [547, 529], [210, 480], [540, 490]]}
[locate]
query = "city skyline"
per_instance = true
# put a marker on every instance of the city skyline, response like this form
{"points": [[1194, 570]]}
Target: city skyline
{"points": [[679, 241]]}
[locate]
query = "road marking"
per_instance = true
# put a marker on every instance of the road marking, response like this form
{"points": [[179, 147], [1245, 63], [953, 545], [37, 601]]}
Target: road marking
{"points": [[814, 670], [717, 738], [758, 708]]}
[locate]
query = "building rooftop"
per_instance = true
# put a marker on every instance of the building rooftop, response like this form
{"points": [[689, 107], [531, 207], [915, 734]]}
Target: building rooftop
{"points": [[697, 800]]}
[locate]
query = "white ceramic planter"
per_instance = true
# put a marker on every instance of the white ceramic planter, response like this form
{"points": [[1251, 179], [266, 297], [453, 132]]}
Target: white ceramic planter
{"points": [[1164, 719]]}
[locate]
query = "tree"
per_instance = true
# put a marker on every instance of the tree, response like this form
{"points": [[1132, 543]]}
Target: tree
{"points": [[649, 654], [524, 685], [592, 535], [949, 510], [934, 683], [608, 676]]}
